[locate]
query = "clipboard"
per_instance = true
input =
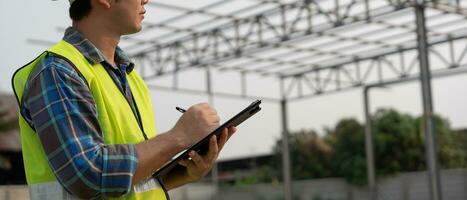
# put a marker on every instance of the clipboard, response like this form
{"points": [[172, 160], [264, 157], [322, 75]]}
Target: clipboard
{"points": [[202, 146]]}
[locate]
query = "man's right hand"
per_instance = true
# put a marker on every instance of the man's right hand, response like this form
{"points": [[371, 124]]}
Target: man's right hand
{"points": [[198, 121]]}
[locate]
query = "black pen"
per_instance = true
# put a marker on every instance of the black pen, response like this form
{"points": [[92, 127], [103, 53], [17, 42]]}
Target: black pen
{"points": [[180, 109]]}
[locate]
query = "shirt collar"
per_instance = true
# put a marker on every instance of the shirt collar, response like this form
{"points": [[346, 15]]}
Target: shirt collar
{"points": [[92, 53]]}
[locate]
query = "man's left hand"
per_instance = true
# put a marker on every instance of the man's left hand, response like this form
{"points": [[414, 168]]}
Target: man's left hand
{"points": [[198, 166]]}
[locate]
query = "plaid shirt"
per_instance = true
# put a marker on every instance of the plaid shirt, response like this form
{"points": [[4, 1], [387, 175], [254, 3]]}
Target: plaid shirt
{"points": [[59, 106]]}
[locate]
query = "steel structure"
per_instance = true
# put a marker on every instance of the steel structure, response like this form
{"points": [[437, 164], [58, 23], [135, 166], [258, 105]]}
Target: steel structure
{"points": [[310, 47]]}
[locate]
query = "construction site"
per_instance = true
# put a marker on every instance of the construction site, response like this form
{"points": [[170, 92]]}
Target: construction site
{"points": [[362, 99]]}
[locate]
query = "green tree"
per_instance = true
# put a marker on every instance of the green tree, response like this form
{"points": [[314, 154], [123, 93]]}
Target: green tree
{"points": [[451, 145], [398, 145], [460, 144], [348, 159], [310, 156], [398, 142]]}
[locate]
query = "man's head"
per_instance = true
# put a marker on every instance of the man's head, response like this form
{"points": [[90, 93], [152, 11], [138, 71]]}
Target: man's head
{"points": [[122, 16]]}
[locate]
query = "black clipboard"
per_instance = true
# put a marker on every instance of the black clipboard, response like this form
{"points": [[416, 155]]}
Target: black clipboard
{"points": [[202, 146]]}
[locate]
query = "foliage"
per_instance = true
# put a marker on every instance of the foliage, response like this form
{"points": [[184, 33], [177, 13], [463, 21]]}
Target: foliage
{"points": [[311, 152], [348, 159], [451, 145], [398, 143]]}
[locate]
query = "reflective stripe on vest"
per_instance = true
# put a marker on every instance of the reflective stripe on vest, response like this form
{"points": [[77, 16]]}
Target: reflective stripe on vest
{"points": [[118, 123], [54, 191]]}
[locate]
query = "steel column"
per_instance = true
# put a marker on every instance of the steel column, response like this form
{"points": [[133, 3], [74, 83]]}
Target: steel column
{"points": [[425, 80], [286, 168], [369, 149]]}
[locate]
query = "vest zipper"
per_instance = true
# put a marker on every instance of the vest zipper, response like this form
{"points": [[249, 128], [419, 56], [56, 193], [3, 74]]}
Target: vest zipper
{"points": [[137, 114]]}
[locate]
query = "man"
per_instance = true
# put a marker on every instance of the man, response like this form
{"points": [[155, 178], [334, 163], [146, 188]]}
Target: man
{"points": [[87, 123]]}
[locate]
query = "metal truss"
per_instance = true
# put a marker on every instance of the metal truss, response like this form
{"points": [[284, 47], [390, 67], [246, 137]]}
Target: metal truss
{"points": [[316, 47], [315, 69], [260, 32], [375, 70]]}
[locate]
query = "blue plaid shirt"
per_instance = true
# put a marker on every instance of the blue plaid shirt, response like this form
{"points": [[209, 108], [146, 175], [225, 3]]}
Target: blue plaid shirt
{"points": [[58, 105]]}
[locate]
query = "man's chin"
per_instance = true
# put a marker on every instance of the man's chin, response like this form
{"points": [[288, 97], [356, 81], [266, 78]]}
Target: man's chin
{"points": [[134, 30]]}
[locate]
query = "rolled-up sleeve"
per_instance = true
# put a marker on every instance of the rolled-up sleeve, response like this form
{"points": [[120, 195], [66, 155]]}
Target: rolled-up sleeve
{"points": [[59, 106]]}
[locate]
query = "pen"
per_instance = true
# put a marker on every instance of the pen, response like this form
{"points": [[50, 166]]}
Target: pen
{"points": [[180, 109]]}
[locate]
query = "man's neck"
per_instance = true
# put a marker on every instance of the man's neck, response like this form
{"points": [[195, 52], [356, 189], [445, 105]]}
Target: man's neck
{"points": [[104, 40]]}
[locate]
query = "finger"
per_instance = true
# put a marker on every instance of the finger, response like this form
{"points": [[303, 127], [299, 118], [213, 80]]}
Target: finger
{"points": [[216, 119], [213, 149], [198, 161], [212, 111], [223, 139], [184, 162], [203, 105], [232, 130]]}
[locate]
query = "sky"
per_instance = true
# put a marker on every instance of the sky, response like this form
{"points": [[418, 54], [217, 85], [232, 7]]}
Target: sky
{"points": [[39, 19]]}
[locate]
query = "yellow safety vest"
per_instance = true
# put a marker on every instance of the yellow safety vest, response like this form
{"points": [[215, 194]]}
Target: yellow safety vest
{"points": [[118, 125]]}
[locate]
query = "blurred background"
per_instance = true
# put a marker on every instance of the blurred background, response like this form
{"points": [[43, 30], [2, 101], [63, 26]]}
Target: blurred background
{"points": [[341, 83]]}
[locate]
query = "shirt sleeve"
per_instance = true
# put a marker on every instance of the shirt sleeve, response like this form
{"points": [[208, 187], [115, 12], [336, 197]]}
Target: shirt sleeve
{"points": [[62, 111]]}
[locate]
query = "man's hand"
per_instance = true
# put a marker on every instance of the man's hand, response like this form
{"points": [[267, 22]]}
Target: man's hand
{"points": [[198, 121], [198, 166]]}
